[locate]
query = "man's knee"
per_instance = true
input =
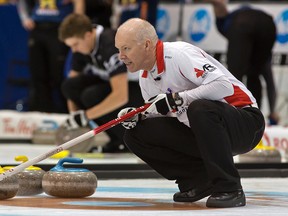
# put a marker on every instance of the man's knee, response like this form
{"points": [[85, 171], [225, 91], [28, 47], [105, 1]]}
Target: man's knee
{"points": [[198, 107]]}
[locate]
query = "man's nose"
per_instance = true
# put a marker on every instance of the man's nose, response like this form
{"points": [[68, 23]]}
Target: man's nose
{"points": [[121, 56]]}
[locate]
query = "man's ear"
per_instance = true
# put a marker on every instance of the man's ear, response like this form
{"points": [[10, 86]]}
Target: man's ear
{"points": [[148, 44], [87, 34]]}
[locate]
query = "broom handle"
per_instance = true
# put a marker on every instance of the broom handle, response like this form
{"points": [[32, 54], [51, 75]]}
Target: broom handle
{"points": [[72, 142]]}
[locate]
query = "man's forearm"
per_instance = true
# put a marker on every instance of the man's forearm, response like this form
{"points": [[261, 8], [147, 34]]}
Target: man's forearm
{"points": [[71, 106], [23, 10]]}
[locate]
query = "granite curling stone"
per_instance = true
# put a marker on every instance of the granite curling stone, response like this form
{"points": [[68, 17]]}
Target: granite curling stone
{"points": [[8, 186], [64, 135], [69, 182], [45, 134], [30, 180], [261, 154]]}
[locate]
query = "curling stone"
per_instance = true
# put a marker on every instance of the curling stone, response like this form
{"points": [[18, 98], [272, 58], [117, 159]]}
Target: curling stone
{"points": [[8, 186], [261, 154], [45, 134], [69, 182], [30, 180], [64, 135]]}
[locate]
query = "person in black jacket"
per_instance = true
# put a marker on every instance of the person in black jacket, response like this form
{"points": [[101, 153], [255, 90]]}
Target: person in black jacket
{"points": [[144, 9], [98, 85], [46, 53], [251, 34]]}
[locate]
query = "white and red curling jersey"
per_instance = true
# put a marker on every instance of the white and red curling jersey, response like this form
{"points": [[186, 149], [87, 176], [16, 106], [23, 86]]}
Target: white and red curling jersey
{"points": [[187, 69]]}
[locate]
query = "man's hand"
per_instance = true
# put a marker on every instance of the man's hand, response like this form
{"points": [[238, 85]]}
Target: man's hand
{"points": [[163, 103], [131, 122], [76, 119], [28, 24]]}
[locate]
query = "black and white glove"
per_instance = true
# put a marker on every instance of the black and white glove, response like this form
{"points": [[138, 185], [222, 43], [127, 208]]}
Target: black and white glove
{"points": [[76, 119], [164, 103], [131, 122]]}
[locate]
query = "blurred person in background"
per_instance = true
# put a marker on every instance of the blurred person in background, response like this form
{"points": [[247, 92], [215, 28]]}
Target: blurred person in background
{"points": [[97, 86], [251, 34], [47, 53], [100, 13], [144, 9]]}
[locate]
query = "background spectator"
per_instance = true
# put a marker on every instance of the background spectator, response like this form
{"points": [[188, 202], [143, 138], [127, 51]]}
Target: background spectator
{"points": [[46, 53], [251, 35]]}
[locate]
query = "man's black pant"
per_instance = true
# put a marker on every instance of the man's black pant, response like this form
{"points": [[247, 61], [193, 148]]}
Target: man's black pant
{"points": [[46, 63], [203, 153]]}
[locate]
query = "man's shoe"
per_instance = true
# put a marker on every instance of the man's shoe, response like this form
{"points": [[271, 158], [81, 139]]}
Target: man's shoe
{"points": [[227, 200], [192, 195]]}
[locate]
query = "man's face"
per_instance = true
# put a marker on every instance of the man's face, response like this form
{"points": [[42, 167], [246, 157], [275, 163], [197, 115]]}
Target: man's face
{"points": [[131, 52], [82, 45]]}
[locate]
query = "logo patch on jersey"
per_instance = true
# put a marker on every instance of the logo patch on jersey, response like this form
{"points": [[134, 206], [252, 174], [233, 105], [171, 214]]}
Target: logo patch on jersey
{"points": [[199, 73], [48, 7], [208, 68], [48, 4]]}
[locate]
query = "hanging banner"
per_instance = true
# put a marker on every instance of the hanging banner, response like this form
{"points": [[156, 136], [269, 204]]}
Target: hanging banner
{"points": [[199, 28]]}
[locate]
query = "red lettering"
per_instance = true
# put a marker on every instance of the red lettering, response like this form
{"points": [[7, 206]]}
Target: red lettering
{"points": [[7, 127], [284, 143], [267, 139], [280, 143], [23, 127], [276, 142]]}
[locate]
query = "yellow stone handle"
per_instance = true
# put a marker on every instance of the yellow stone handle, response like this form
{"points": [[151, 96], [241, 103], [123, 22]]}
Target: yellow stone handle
{"points": [[24, 158]]}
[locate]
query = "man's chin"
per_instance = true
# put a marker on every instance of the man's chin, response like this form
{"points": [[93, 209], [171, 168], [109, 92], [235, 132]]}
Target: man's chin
{"points": [[131, 70]]}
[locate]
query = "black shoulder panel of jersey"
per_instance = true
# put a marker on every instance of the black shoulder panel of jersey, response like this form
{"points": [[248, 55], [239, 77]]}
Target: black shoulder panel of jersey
{"points": [[79, 61]]}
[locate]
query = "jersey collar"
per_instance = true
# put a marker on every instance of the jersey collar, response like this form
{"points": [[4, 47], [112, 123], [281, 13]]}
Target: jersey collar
{"points": [[99, 29], [159, 59]]}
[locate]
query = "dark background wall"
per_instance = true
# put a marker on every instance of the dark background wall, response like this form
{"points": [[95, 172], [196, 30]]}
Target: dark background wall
{"points": [[13, 59]]}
